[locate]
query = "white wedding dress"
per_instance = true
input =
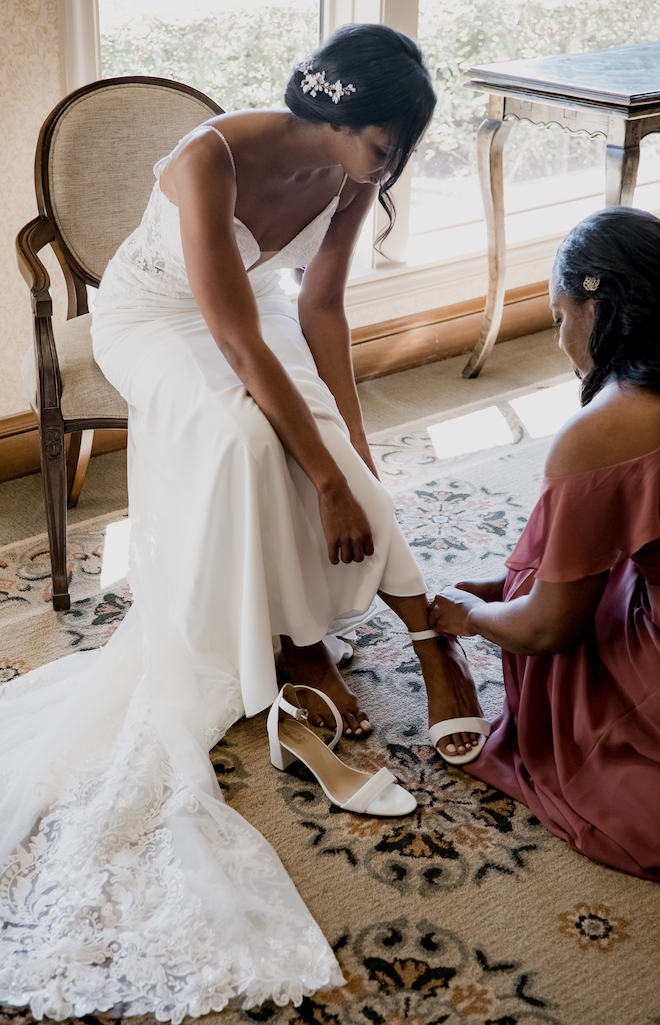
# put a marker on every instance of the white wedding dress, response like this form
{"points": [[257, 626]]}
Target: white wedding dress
{"points": [[125, 879]]}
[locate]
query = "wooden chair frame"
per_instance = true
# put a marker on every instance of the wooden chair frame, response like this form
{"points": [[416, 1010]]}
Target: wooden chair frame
{"points": [[63, 468]]}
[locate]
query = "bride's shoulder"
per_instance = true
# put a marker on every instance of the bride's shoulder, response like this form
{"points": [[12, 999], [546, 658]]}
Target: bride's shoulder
{"points": [[244, 127], [621, 422], [239, 130]]}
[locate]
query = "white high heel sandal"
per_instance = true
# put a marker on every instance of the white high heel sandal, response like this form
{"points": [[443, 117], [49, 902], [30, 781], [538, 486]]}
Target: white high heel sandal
{"points": [[291, 740], [464, 724]]}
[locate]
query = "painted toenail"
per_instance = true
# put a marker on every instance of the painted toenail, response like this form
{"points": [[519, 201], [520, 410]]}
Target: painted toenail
{"points": [[365, 724], [450, 747]]}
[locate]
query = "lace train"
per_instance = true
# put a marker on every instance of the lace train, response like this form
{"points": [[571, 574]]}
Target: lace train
{"points": [[137, 884]]}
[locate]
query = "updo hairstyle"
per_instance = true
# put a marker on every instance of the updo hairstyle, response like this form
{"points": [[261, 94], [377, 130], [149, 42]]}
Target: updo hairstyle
{"points": [[620, 247], [392, 90]]}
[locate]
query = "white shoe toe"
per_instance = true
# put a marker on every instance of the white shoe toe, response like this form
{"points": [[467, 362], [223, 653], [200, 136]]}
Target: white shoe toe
{"points": [[392, 802]]}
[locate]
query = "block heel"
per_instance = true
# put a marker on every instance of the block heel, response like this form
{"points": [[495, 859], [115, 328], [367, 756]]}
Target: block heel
{"points": [[280, 757]]}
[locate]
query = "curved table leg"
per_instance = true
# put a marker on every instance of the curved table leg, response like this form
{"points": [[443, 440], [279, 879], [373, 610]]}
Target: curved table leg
{"points": [[491, 136], [621, 163]]}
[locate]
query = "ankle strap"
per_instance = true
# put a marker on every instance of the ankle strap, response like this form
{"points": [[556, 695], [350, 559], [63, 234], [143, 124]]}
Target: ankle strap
{"points": [[422, 635], [296, 711], [301, 713]]}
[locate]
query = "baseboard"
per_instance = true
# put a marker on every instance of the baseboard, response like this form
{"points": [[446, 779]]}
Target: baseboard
{"points": [[395, 345], [19, 445], [378, 350]]}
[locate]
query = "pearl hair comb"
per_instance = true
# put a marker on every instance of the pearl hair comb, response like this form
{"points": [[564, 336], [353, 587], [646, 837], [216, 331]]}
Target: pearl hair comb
{"points": [[315, 82], [591, 284]]}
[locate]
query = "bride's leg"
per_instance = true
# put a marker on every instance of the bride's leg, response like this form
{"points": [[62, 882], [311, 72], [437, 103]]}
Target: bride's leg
{"points": [[449, 684], [312, 666]]}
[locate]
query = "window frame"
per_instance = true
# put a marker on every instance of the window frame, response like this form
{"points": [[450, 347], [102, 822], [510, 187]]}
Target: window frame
{"points": [[80, 43]]}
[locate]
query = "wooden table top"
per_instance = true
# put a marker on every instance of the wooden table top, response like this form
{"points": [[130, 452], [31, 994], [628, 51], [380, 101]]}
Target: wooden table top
{"points": [[621, 77]]}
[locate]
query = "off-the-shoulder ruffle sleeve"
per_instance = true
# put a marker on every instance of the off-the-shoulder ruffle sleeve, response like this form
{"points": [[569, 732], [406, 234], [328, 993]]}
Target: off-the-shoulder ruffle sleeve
{"points": [[586, 523]]}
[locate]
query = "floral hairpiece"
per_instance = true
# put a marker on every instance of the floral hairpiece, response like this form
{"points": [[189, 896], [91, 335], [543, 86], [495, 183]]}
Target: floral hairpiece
{"points": [[315, 82], [590, 284]]}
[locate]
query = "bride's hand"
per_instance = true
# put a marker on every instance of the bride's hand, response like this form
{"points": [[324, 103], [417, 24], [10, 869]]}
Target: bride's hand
{"points": [[345, 525]]}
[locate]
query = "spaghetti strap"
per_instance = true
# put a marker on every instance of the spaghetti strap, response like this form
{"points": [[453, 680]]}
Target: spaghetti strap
{"points": [[231, 155], [340, 187]]}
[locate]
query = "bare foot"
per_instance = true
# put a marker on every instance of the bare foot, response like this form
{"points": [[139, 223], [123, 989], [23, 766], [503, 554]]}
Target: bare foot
{"points": [[450, 688], [312, 667]]}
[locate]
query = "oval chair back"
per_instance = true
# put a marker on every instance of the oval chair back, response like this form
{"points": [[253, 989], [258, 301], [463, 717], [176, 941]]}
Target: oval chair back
{"points": [[93, 177]]}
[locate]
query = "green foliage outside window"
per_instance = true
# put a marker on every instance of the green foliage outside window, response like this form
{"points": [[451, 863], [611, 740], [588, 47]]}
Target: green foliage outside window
{"points": [[240, 58]]}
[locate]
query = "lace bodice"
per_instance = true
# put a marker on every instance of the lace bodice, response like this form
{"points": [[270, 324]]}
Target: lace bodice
{"points": [[149, 265]]}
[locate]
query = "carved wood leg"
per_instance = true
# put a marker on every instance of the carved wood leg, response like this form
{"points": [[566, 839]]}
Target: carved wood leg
{"points": [[491, 136], [80, 450], [621, 163], [53, 469]]}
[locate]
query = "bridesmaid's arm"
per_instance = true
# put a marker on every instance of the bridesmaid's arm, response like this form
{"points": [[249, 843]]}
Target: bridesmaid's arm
{"points": [[551, 619], [323, 318], [554, 617]]}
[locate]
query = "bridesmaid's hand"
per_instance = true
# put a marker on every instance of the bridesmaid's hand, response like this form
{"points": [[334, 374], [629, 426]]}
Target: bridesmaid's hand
{"points": [[491, 589], [345, 525], [449, 612]]}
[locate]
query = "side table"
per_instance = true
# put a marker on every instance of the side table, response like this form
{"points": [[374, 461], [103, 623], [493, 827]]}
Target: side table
{"points": [[612, 93]]}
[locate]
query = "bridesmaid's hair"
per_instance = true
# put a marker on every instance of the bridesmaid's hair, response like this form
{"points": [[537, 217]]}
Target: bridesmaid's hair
{"points": [[619, 250], [392, 90]]}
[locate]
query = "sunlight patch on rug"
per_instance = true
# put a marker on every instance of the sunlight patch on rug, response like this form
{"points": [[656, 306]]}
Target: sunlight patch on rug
{"points": [[473, 432], [115, 554], [544, 412]]}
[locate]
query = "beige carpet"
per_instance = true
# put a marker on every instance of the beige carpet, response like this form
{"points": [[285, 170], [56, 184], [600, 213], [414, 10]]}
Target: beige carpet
{"points": [[468, 912]]}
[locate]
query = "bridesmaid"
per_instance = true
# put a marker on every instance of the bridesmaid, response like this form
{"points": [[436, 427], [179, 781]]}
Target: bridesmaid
{"points": [[578, 613]]}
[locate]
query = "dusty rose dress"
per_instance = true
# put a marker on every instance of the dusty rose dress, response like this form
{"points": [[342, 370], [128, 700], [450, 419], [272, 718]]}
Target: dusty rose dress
{"points": [[578, 740]]}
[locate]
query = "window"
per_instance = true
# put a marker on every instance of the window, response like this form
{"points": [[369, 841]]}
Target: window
{"points": [[552, 178]]}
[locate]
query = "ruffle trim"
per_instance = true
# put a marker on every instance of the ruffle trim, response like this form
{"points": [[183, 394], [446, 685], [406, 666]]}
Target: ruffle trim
{"points": [[585, 524]]}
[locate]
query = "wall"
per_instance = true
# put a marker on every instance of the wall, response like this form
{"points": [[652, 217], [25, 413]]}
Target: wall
{"points": [[30, 86]]}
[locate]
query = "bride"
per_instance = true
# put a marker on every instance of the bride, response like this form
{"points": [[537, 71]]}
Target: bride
{"points": [[256, 511]]}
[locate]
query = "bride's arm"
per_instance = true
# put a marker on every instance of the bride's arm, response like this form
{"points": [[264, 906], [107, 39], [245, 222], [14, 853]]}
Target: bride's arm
{"points": [[206, 196], [323, 319]]}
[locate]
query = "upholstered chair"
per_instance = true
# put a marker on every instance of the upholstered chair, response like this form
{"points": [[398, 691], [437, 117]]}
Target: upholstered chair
{"points": [[93, 176]]}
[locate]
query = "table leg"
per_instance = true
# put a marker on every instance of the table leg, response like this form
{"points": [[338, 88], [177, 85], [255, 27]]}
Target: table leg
{"points": [[621, 163], [491, 136]]}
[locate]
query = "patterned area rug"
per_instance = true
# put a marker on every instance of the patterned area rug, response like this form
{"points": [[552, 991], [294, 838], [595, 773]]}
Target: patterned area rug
{"points": [[468, 912]]}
